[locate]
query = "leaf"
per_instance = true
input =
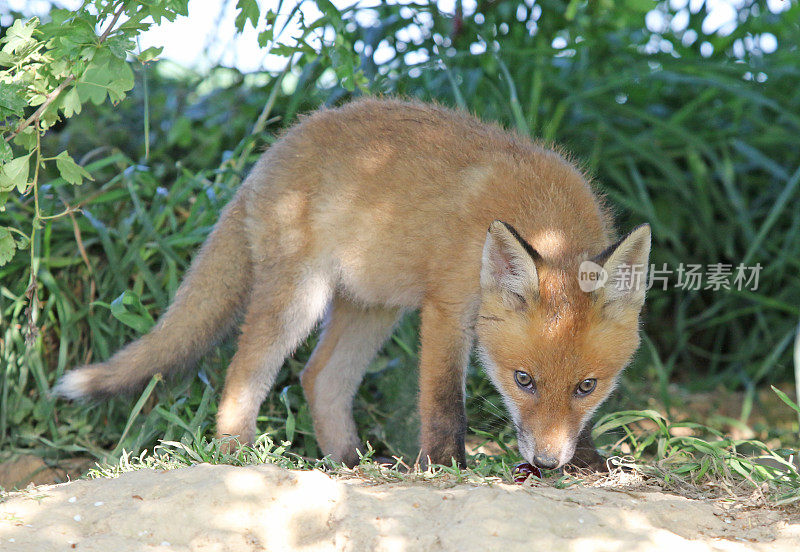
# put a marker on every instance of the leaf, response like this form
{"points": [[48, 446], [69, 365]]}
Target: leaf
{"points": [[119, 46], [111, 77], [150, 54], [172, 418], [71, 103], [20, 35], [93, 84], [137, 408], [265, 37], [330, 11], [7, 246], [123, 82], [622, 418], [15, 173], [6, 154], [128, 309], [168, 9], [290, 421], [23, 242], [37, 99], [248, 11], [12, 99], [70, 170], [23, 408], [785, 398]]}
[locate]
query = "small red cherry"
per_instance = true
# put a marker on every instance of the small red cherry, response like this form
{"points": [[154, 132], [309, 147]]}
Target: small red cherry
{"points": [[524, 470]]}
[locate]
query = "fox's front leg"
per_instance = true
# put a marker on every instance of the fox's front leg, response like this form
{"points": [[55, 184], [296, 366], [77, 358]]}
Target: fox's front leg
{"points": [[586, 455], [445, 346]]}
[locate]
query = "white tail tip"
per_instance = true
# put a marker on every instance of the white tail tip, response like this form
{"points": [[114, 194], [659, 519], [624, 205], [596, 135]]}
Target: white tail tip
{"points": [[72, 385]]}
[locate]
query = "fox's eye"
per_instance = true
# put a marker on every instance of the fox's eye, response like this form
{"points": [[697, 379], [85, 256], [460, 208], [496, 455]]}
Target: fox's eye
{"points": [[524, 380], [585, 387]]}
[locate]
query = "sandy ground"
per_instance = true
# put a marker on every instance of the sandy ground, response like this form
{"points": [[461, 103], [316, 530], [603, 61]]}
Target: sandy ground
{"points": [[267, 508]]}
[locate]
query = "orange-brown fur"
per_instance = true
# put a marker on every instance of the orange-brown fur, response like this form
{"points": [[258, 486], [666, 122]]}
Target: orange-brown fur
{"points": [[377, 207]]}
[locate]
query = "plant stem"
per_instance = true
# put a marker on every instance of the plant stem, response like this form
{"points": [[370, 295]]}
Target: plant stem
{"points": [[36, 212], [38, 113], [110, 27]]}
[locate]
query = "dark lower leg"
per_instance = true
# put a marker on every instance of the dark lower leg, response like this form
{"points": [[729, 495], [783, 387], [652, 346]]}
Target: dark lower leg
{"points": [[586, 455], [443, 359]]}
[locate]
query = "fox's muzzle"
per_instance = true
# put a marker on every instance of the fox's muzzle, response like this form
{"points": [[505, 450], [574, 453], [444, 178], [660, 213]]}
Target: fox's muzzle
{"points": [[544, 454], [546, 462]]}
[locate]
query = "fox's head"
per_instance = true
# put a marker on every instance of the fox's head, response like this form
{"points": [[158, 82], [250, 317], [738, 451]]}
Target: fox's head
{"points": [[555, 337]]}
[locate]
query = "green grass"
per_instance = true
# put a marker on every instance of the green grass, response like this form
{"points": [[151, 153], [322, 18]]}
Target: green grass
{"points": [[706, 461]]}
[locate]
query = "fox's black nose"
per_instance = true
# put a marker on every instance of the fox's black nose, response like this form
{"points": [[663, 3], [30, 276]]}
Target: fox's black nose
{"points": [[545, 462]]}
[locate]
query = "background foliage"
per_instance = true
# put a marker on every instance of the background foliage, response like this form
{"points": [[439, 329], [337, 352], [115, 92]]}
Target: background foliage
{"points": [[696, 133]]}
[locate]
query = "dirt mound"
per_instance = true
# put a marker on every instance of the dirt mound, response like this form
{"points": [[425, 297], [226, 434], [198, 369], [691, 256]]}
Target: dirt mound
{"points": [[224, 508]]}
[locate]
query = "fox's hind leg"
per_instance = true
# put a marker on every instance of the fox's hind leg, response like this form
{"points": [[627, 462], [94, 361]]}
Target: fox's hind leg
{"points": [[284, 306], [352, 336]]}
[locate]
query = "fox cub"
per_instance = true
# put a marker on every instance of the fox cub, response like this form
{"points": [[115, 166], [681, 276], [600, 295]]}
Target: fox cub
{"points": [[362, 212]]}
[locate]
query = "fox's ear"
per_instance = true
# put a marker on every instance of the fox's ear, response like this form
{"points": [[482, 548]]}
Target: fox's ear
{"points": [[626, 263], [508, 265]]}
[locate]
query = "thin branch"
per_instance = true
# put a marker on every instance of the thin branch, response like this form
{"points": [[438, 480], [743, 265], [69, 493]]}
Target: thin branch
{"points": [[110, 27], [38, 113], [79, 239], [69, 210], [20, 232]]}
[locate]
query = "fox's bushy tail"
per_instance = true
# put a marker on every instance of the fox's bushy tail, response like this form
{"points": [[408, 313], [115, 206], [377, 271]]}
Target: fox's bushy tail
{"points": [[203, 311]]}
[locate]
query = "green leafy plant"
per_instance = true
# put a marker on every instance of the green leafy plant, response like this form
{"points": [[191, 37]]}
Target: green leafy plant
{"points": [[678, 460], [55, 68]]}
